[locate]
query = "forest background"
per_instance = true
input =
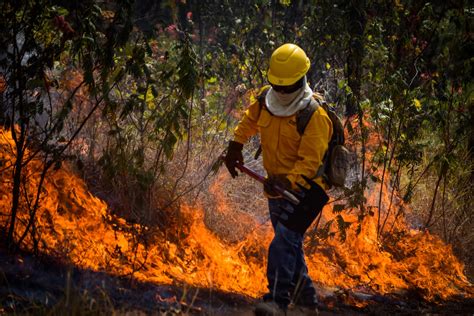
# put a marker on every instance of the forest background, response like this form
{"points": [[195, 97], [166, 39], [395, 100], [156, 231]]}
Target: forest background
{"points": [[142, 96]]}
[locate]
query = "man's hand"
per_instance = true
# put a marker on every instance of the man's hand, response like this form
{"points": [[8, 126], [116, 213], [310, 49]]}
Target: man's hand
{"points": [[279, 180], [234, 156], [299, 217]]}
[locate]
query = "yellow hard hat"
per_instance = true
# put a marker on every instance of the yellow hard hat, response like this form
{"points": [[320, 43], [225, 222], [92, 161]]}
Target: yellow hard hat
{"points": [[288, 64]]}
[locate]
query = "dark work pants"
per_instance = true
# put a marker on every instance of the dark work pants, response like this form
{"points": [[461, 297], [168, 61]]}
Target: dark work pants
{"points": [[287, 272]]}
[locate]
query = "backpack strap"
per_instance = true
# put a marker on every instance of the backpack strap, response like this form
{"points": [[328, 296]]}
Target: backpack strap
{"points": [[302, 119], [304, 116]]}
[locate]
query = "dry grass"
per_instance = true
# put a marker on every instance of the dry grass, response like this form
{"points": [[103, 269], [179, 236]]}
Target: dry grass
{"points": [[453, 215]]}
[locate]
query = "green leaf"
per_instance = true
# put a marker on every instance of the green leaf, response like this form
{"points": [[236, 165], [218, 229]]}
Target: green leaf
{"points": [[342, 227], [337, 208], [212, 80], [324, 232], [59, 10], [417, 104], [374, 178], [168, 145], [216, 165]]}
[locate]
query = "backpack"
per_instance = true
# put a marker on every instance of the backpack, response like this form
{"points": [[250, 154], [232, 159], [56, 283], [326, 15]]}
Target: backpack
{"points": [[336, 159]]}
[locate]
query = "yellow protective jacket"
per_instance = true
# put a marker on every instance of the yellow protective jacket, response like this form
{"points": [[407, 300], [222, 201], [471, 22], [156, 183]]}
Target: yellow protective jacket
{"points": [[284, 150]]}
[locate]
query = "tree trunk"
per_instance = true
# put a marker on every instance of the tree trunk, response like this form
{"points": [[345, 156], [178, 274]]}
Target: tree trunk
{"points": [[356, 18], [16, 184]]}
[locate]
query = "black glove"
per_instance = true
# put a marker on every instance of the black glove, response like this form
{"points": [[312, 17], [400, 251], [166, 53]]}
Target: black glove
{"points": [[279, 180], [299, 217], [234, 156]]}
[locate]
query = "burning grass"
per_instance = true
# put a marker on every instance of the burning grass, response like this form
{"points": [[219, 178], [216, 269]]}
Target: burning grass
{"points": [[76, 226]]}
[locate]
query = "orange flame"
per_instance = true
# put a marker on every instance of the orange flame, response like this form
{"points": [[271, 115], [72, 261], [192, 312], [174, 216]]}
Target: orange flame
{"points": [[74, 224]]}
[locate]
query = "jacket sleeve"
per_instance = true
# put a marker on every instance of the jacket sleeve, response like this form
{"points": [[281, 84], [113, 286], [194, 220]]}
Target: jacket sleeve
{"points": [[247, 126], [313, 146]]}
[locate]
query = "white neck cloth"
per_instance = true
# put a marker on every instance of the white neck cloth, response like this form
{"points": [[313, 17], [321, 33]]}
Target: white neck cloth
{"points": [[281, 104]]}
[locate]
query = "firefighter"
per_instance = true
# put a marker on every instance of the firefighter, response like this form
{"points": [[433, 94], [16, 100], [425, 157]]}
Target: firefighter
{"points": [[288, 158]]}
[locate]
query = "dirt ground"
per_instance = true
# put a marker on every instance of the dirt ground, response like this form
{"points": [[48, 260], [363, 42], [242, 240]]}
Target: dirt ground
{"points": [[46, 286]]}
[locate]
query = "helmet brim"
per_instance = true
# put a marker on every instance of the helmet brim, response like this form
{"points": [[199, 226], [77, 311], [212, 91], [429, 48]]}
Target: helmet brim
{"points": [[275, 80]]}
